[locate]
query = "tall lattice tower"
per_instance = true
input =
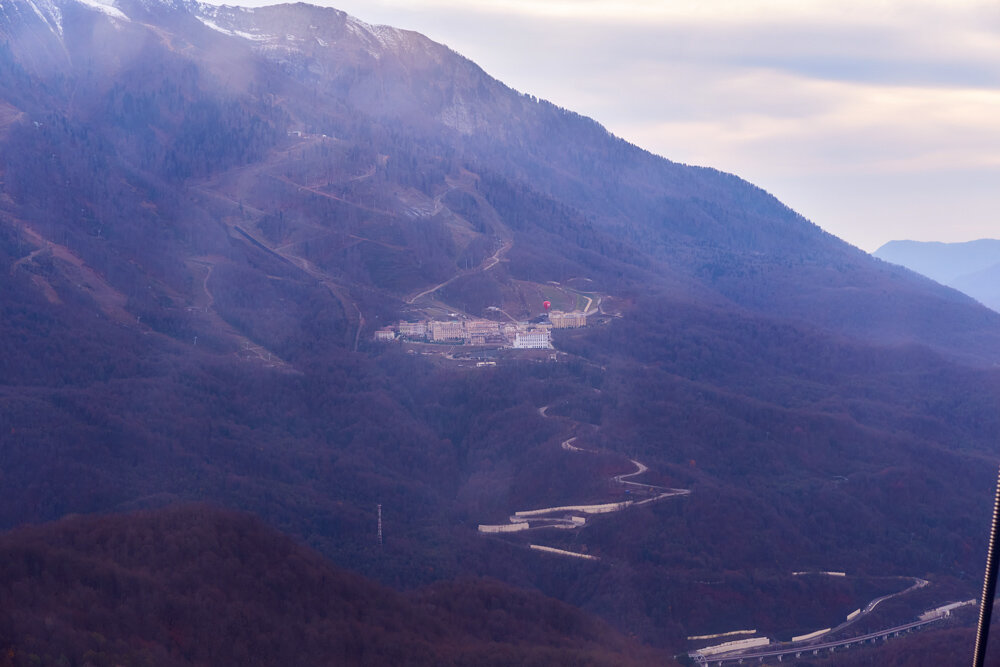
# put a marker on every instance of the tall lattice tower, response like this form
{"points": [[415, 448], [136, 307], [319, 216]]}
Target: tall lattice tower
{"points": [[380, 524]]}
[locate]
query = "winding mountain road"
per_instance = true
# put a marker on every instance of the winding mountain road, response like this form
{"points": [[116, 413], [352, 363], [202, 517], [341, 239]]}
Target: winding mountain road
{"points": [[739, 658], [485, 265], [571, 517], [816, 645]]}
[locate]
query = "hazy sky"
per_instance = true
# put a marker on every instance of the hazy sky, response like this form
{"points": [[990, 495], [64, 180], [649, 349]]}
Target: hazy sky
{"points": [[877, 120]]}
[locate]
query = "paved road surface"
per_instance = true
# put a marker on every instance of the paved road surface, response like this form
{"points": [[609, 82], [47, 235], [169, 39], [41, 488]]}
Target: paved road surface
{"points": [[758, 657]]}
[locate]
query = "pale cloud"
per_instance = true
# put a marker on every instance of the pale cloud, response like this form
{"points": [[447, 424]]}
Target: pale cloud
{"points": [[873, 127], [716, 11], [867, 162]]}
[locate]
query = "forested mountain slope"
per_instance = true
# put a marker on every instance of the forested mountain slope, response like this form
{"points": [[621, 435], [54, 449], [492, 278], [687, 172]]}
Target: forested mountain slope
{"points": [[206, 211], [369, 126], [197, 586]]}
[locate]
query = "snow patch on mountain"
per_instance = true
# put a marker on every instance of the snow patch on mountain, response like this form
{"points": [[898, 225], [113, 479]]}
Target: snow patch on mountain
{"points": [[232, 33], [105, 8], [50, 14], [386, 37], [390, 38], [228, 20]]}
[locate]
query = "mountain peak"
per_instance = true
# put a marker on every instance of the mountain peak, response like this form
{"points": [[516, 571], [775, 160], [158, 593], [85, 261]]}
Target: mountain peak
{"points": [[285, 23]]}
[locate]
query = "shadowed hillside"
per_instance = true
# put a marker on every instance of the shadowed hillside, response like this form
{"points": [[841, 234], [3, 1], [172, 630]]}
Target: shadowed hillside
{"points": [[206, 213], [198, 586]]}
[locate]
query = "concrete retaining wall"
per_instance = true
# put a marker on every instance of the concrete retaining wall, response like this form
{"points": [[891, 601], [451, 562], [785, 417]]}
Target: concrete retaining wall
{"points": [[562, 552], [737, 645], [811, 635], [504, 528], [586, 509]]}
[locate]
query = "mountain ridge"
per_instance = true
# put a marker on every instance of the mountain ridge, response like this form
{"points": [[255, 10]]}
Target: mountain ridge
{"points": [[249, 213], [970, 266]]}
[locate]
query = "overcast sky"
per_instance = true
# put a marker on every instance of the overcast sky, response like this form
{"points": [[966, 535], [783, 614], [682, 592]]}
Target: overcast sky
{"points": [[877, 120]]}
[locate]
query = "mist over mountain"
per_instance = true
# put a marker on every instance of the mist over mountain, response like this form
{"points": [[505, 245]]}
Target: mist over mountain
{"points": [[972, 267], [206, 212]]}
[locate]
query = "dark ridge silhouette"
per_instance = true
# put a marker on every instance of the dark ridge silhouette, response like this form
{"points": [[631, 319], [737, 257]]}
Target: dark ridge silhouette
{"points": [[200, 586]]}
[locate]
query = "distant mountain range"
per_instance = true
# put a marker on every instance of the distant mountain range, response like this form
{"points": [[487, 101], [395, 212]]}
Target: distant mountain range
{"points": [[972, 267], [207, 211]]}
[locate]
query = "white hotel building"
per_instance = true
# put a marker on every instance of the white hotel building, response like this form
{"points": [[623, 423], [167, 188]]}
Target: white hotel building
{"points": [[533, 340]]}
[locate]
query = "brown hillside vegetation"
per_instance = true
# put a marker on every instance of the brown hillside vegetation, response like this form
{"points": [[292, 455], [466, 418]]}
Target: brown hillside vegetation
{"points": [[200, 586], [207, 212]]}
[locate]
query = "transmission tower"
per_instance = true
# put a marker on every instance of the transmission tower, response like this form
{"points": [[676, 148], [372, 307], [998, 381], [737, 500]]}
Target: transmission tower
{"points": [[380, 524]]}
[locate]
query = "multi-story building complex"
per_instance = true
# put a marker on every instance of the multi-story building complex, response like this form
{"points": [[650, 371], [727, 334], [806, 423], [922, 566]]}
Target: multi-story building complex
{"points": [[482, 328], [521, 336], [537, 339], [386, 335], [413, 329], [571, 320], [447, 330]]}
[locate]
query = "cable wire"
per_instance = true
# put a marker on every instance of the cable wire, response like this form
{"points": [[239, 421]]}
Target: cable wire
{"points": [[989, 585]]}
